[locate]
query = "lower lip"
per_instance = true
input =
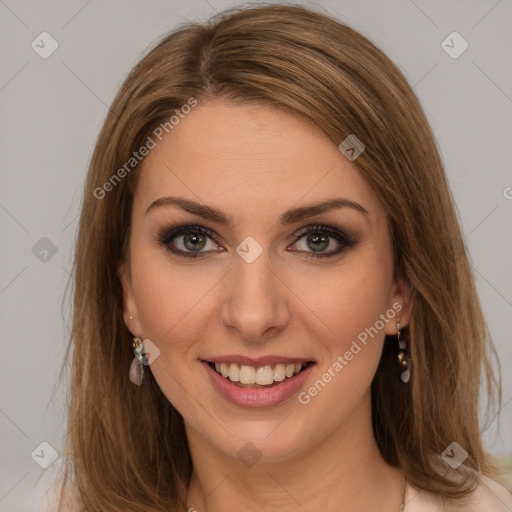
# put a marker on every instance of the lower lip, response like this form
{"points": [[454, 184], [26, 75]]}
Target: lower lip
{"points": [[257, 397]]}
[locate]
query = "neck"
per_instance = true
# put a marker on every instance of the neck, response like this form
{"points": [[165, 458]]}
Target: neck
{"points": [[344, 472]]}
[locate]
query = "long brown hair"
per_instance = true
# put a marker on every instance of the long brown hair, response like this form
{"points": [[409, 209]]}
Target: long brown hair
{"points": [[126, 446]]}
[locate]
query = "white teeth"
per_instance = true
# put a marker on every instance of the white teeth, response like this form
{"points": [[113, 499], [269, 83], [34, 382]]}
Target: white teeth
{"points": [[264, 375], [290, 370], [247, 375], [224, 369], [279, 372], [234, 373]]}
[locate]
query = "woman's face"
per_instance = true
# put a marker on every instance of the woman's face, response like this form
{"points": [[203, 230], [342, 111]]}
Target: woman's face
{"points": [[254, 286]]}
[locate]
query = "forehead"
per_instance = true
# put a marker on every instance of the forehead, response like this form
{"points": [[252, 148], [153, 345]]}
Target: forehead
{"points": [[250, 158]]}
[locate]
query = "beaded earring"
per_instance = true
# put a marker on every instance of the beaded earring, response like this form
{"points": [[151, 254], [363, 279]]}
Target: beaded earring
{"points": [[404, 361]]}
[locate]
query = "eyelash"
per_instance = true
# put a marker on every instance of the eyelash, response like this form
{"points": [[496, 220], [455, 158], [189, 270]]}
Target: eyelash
{"points": [[165, 237]]}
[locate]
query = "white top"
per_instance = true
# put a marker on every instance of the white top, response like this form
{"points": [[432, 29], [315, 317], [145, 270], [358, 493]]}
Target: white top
{"points": [[489, 496]]}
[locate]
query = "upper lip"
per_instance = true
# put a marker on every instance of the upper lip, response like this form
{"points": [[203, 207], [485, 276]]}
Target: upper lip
{"points": [[258, 361]]}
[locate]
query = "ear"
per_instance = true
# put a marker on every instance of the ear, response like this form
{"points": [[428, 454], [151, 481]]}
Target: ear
{"points": [[129, 305], [400, 300]]}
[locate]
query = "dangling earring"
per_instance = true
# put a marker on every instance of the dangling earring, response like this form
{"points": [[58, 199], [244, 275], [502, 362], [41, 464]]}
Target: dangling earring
{"points": [[137, 366], [404, 361]]}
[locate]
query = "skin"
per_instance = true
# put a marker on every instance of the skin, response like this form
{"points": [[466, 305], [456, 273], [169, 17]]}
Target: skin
{"points": [[254, 162]]}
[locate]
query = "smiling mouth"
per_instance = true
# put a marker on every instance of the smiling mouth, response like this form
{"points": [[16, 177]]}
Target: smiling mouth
{"points": [[262, 377]]}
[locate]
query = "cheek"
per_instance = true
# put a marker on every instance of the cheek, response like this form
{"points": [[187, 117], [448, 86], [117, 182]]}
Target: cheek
{"points": [[176, 304], [170, 306], [353, 313], [353, 299], [167, 297], [353, 305]]}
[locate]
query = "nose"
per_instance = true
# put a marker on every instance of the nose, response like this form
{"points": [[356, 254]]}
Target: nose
{"points": [[255, 301]]}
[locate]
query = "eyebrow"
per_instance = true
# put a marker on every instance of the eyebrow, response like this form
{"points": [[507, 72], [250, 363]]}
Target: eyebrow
{"points": [[289, 217]]}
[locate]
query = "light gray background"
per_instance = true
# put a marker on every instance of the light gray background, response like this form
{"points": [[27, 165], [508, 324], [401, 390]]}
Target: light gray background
{"points": [[52, 109]]}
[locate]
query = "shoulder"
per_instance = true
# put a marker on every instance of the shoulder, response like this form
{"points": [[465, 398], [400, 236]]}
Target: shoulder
{"points": [[489, 496]]}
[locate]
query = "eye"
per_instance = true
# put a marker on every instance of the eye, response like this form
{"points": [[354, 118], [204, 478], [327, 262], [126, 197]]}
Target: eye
{"points": [[187, 241], [318, 238]]}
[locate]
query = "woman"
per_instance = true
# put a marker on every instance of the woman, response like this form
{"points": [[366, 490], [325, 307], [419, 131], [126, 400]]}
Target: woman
{"points": [[273, 306]]}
